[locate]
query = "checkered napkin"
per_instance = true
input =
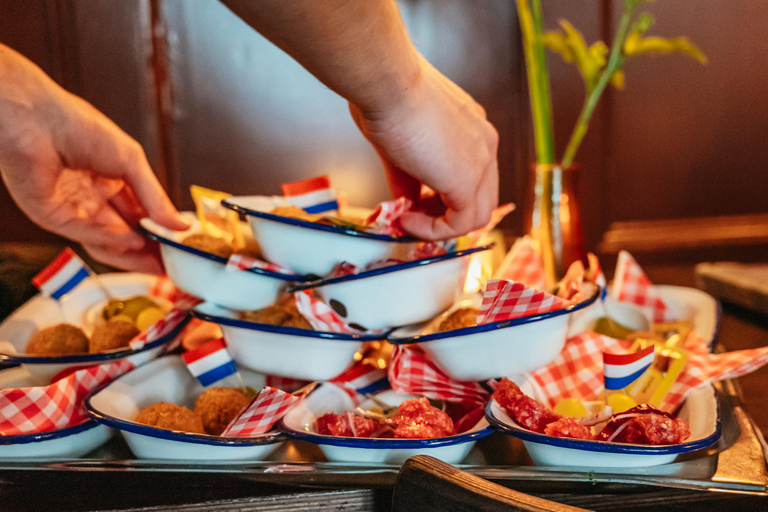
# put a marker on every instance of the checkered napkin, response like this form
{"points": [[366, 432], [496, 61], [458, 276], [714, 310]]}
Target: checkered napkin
{"points": [[523, 264], [163, 288], [505, 300], [322, 317], [577, 372], [56, 406], [238, 262], [630, 284], [385, 218], [411, 372], [262, 413], [344, 268], [182, 304]]}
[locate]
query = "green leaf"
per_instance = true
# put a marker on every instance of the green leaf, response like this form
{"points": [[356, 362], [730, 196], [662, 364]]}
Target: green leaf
{"points": [[637, 45], [570, 44]]}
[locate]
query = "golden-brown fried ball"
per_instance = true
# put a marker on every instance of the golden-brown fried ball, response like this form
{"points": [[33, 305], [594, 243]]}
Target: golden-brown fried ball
{"points": [[209, 243], [464, 317], [112, 335], [58, 340], [299, 322], [268, 315], [218, 407], [171, 417]]}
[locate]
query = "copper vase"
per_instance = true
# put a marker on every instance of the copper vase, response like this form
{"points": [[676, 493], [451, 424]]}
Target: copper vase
{"points": [[554, 218]]}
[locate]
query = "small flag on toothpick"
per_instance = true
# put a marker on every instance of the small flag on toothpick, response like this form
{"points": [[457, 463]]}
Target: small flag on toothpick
{"points": [[62, 275], [210, 362], [313, 195], [621, 370]]}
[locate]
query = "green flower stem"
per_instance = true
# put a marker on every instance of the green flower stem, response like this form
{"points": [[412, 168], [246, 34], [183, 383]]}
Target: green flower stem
{"points": [[615, 62]]}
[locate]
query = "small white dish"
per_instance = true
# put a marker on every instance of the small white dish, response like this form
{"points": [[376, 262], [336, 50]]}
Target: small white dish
{"points": [[167, 380], [309, 247], [75, 308], [284, 351], [56, 444], [497, 349], [204, 275], [701, 411], [699, 307], [401, 294], [299, 424]]}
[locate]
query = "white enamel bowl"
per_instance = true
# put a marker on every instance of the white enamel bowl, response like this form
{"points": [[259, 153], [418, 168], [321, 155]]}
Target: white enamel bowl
{"points": [[56, 444], [685, 303], [299, 424], [312, 248], [75, 308], [402, 294], [495, 349], [168, 380], [700, 410], [204, 275], [284, 351]]}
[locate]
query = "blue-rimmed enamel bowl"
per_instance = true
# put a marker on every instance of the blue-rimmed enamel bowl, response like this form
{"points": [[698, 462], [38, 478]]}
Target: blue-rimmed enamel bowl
{"points": [[497, 349], [76, 308], [700, 410], [309, 247], [55, 444], [285, 351], [401, 294], [167, 380], [299, 423], [204, 275]]}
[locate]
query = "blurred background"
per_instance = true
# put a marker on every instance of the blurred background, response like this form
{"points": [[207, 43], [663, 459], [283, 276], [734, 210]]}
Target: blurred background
{"points": [[674, 166]]}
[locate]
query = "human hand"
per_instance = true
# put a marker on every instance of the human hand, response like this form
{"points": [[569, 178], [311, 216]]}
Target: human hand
{"points": [[438, 136], [74, 172]]}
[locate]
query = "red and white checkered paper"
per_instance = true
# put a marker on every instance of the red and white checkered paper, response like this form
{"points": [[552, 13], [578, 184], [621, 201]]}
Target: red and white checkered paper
{"points": [[163, 288], [630, 284], [238, 262], [505, 300], [523, 264], [182, 304], [411, 372], [385, 218], [322, 317], [262, 413], [577, 372], [56, 406]]}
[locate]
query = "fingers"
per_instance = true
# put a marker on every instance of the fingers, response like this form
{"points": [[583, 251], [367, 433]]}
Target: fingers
{"points": [[105, 228], [136, 261], [91, 141]]}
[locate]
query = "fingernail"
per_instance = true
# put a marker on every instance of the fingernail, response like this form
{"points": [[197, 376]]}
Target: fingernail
{"points": [[184, 221]]}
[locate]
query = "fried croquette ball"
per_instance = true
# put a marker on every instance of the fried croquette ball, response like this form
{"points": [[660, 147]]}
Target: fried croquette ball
{"points": [[112, 335], [171, 417], [464, 317], [218, 407], [208, 243], [58, 340], [299, 322], [269, 315]]}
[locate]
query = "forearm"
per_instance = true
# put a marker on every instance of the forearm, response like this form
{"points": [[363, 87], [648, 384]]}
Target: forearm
{"points": [[358, 48]]}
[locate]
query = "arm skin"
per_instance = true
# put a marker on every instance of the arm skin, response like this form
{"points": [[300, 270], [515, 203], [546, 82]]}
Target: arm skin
{"points": [[426, 129], [74, 172]]}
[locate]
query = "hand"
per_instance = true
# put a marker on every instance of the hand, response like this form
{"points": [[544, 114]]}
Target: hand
{"points": [[74, 172], [436, 135]]}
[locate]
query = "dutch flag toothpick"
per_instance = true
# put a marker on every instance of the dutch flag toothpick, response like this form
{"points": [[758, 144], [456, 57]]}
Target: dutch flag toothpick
{"points": [[210, 362], [621, 370], [62, 275], [314, 195]]}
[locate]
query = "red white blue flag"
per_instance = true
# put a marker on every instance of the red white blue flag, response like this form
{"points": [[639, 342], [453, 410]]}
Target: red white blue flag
{"points": [[363, 379], [62, 275], [314, 195], [210, 362], [621, 370]]}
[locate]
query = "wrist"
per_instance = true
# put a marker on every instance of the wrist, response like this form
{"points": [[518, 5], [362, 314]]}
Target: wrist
{"points": [[394, 88]]}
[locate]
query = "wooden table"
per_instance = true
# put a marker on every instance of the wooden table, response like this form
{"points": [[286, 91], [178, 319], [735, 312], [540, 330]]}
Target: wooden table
{"points": [[201, 492]]}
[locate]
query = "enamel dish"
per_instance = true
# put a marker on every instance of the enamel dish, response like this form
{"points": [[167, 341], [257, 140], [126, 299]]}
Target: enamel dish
{"points": [[204, 274], [309, 247], [700, 410], [683, 302], [284, 351], [78, 308], [401, 294], [299, 424], [495, 349], [168, 380], [56, 444]]}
